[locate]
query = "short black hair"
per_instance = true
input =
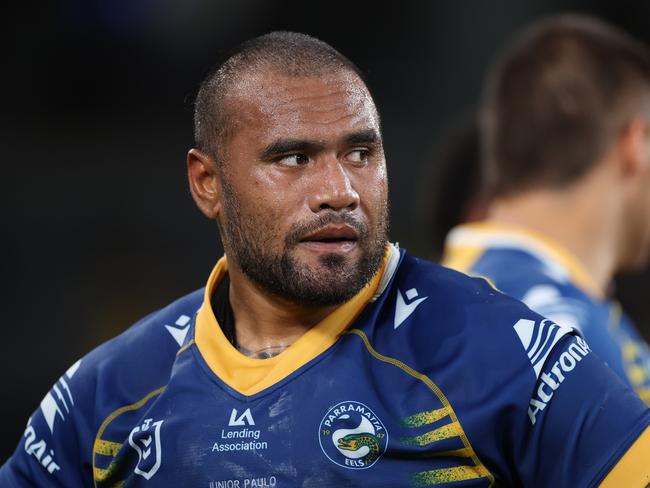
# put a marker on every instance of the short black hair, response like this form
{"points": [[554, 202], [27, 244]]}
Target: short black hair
{"points": [[289, 53], [556, 99]]}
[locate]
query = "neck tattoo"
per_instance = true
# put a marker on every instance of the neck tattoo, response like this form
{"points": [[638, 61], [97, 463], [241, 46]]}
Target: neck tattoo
{"points": [[264, 353]]}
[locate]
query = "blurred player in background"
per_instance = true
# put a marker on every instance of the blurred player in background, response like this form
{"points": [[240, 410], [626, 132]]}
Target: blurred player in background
{"points": [[565, 127]]}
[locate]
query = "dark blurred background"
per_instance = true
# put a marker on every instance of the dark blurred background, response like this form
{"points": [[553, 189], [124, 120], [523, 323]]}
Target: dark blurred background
{"points": [[99, 227]]}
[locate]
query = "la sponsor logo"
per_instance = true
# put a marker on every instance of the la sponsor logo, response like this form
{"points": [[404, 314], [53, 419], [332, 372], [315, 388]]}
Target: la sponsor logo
{"points": [[246, 418], [241, 439], [548, 383]]}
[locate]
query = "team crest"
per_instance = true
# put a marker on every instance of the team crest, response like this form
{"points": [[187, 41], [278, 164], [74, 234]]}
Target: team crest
{"points": [[352, 436], [145, 439]]}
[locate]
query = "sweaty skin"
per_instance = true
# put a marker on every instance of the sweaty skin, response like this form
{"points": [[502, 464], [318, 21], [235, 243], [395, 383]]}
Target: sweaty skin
{"points": [[303, 176]]}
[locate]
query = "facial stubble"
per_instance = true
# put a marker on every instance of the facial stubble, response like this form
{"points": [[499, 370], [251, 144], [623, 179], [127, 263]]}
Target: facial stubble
{"points": [[335, 281]]}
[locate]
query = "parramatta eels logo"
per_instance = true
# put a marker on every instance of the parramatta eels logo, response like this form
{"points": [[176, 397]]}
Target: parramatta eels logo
{"points": [[352, 436]]}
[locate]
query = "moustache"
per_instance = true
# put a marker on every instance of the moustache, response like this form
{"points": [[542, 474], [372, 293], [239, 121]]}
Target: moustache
{"points": [[301, 229]]}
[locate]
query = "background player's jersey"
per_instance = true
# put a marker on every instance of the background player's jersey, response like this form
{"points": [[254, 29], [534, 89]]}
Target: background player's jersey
{"points": [[425, 378], [551, 282]]}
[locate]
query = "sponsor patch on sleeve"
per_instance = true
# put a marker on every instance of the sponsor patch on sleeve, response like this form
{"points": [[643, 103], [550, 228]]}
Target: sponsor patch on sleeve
{"points": [[554, 375], [538, 339]]}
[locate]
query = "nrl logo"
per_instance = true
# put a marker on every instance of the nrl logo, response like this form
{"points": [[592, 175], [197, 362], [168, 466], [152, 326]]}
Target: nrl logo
{"points": [[352, 436], [145, 439]]}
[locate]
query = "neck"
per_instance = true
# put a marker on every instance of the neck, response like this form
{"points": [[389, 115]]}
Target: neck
{"points": [[266, 324], [582, 219]]}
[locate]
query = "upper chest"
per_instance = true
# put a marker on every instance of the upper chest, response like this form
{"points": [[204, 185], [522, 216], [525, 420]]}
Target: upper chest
{"points": [[354, 416]]}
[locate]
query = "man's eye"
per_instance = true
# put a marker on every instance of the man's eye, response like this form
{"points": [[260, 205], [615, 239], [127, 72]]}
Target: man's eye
{"points": [[293, 160], [358, 156]]}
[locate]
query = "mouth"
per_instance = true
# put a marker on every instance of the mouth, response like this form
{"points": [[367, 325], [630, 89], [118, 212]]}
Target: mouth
{"points": [[332, 238]]}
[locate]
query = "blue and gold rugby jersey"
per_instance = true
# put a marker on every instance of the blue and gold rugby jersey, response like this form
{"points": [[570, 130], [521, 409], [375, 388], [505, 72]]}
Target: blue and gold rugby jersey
{"points": [[552, 282], [425, 378]]}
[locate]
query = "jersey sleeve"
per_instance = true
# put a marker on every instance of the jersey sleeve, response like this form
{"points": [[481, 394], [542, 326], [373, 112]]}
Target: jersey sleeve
{"points": [[582, 420], [53, 450]]}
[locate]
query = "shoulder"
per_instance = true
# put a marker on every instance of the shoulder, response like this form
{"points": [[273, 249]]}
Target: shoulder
{"points": [[509, 373], [441, 282], [157, 328], [122, 370], [455, 312], [112, 377], [460, 299], [144, 353]]}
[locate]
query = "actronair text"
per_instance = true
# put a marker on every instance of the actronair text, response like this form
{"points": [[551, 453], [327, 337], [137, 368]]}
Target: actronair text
{"points": [[549, 382], [38, 449]]}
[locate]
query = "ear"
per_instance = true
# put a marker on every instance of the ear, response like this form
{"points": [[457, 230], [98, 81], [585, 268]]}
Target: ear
{"points": [[634, 147], [205, 183]]}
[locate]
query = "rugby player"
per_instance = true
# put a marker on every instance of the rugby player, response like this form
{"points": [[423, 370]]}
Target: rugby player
{"points": [[319, 354]]}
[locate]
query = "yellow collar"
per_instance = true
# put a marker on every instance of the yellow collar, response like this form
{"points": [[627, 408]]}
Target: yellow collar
{"points": [[249, 375], [467, 242]]}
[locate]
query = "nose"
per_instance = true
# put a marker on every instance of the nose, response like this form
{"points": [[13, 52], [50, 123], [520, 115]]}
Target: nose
{"points": [[332, 188]]}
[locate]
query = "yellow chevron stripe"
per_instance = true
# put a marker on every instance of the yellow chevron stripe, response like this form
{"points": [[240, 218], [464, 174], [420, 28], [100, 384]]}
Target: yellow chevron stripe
{"points": [[106, 448], [101, 474], [439, 434], [449, 475], [425, 418], [434, 388], [463, 452]]}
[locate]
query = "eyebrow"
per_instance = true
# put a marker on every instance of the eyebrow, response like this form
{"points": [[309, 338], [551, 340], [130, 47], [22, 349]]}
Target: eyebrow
{"points": [[290, 145], [282, 146], [368, 136]]}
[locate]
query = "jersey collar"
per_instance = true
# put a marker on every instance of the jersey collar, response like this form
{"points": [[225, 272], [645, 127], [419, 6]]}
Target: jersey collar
{"points": [[249, 375], [467, 242]]}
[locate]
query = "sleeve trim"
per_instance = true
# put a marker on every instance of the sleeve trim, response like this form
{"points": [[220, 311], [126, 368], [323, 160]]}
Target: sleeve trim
{"points": [[633, 468]]}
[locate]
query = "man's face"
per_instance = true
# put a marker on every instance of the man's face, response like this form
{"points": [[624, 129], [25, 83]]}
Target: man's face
{"points": [[304, 191]]}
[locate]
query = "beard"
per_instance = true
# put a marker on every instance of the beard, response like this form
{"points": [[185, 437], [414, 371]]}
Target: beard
{"points": [[333, 282]]}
